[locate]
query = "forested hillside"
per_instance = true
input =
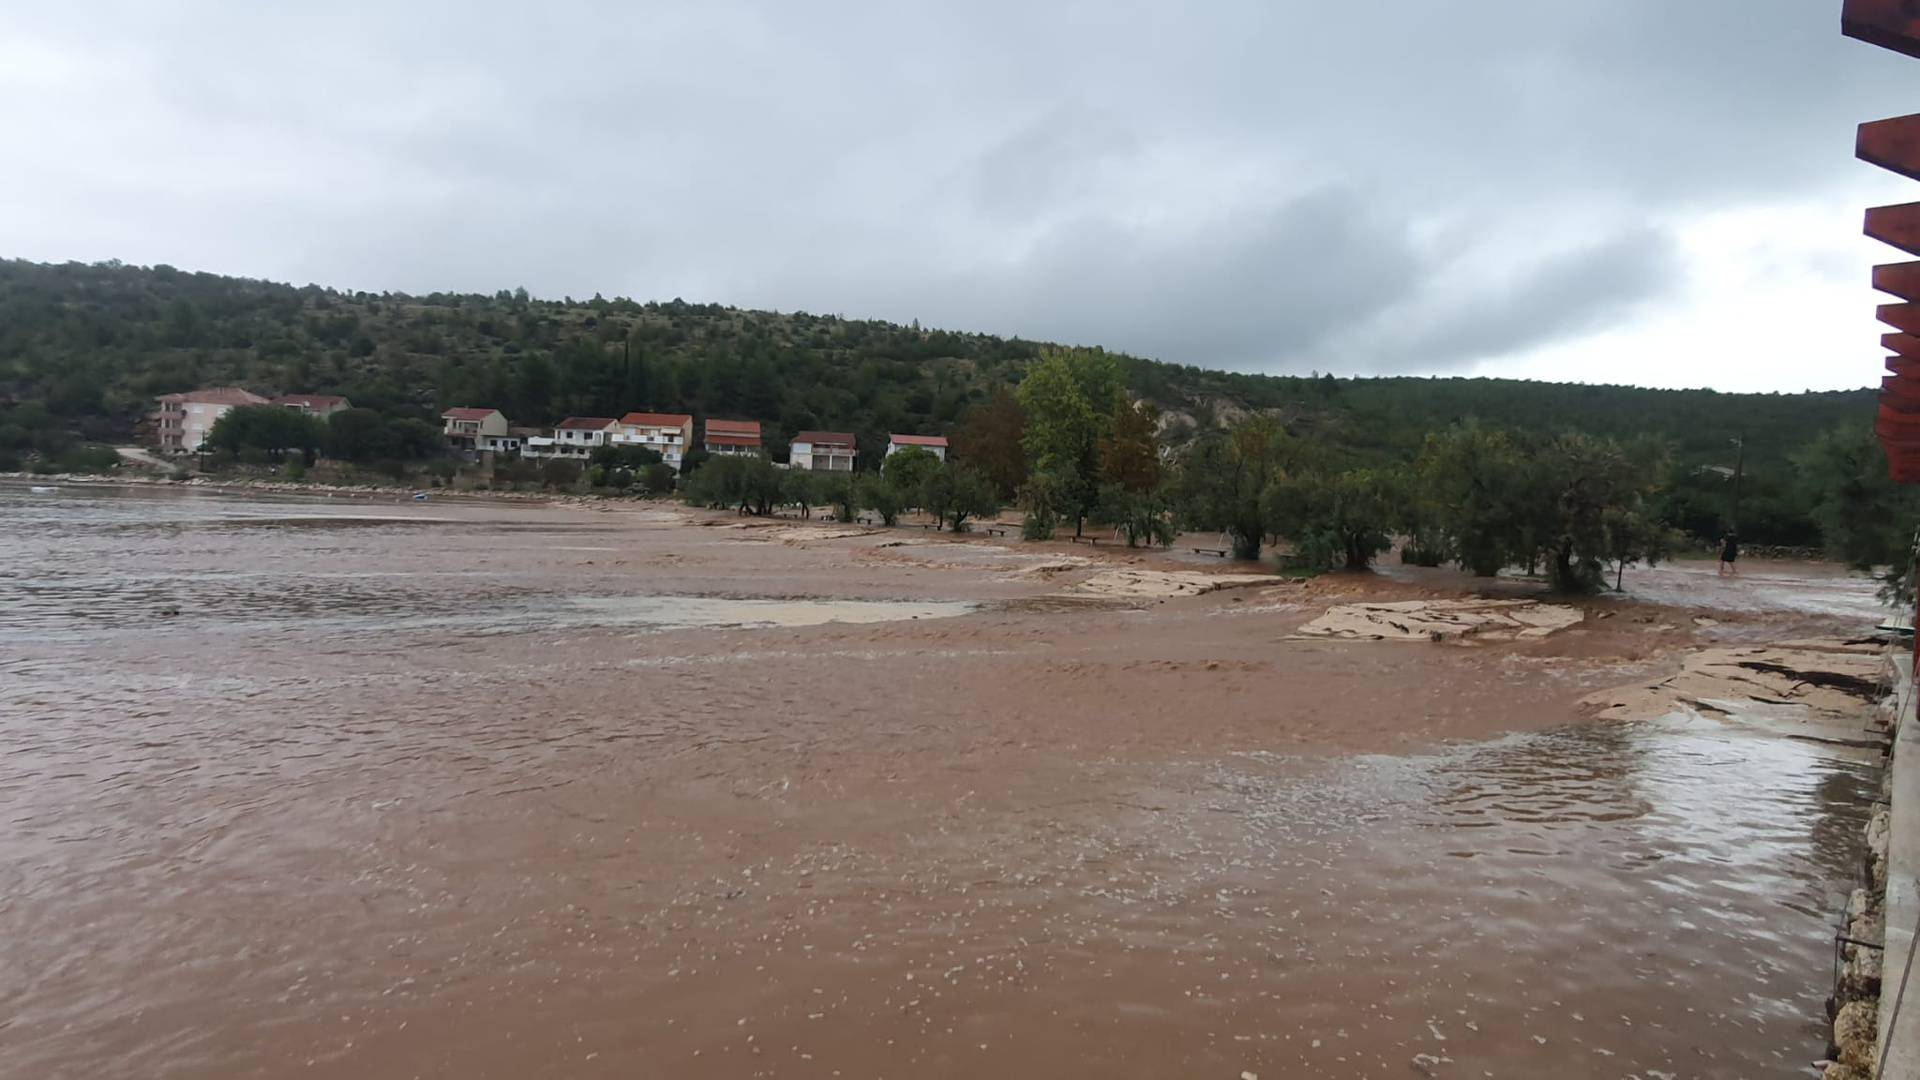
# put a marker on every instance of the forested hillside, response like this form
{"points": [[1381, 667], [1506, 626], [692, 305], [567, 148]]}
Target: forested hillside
{"points": [[95, 343]]}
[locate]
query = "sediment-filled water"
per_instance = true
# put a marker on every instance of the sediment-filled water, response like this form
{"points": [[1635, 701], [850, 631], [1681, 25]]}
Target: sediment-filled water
{"points": [[355, 789]]}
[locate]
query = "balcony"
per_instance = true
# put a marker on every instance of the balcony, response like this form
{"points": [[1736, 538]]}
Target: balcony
{"points": [[651, 440]]}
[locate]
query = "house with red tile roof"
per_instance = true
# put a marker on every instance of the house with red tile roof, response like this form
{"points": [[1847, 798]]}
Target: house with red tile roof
{"points": [[321, 405], [574, 437], [668, 434], [937, 444], [478, 431], [824, 451], [732, 437], [181, 421]]}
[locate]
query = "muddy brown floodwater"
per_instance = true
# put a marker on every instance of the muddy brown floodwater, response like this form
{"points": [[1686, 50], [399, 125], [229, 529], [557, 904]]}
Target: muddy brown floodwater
{"points": [[350, 789]]}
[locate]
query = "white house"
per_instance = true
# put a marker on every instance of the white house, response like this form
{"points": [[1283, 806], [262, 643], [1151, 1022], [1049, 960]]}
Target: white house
{"points": [[732, 437], [477, 431], [824, 451], [182, 421], [574, 437], [668, 434], [937, 444]]}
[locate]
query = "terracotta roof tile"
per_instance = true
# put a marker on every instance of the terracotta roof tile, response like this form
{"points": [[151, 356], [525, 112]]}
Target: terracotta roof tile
{"points": [[656, 419], [218, 395], [825, 438]]}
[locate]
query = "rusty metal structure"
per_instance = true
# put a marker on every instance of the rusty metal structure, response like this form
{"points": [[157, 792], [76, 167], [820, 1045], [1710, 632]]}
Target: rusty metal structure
{"points": [[1894, 145]]}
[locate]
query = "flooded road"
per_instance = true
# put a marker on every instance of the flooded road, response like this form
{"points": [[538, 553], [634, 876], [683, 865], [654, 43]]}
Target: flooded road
{"points": [[376, 790]]}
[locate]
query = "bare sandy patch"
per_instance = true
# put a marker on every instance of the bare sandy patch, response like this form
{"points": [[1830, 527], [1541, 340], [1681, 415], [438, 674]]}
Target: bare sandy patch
{"points": [[1160, 583], [1442, 620]]}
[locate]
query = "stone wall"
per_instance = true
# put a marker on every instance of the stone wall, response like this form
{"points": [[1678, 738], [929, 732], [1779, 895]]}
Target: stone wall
{"points": [[1862, 1004]]}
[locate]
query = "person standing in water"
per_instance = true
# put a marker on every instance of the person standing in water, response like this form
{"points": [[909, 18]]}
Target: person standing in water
{"points": [[1729, 553]]}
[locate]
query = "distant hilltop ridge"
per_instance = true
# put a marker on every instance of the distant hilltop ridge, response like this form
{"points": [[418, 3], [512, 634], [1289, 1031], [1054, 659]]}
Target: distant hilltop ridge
{"points": [[96, 344]]}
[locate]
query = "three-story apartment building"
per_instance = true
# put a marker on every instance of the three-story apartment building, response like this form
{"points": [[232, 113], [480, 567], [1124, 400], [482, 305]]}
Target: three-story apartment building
{"points": [[668, 434]]}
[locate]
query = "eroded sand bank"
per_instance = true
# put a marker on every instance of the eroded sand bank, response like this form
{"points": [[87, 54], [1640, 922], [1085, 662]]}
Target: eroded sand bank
{"points": [[1818, 680]]}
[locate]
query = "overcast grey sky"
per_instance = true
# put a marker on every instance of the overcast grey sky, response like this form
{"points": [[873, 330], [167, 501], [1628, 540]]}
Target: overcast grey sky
{"points": [[1649, 191]]}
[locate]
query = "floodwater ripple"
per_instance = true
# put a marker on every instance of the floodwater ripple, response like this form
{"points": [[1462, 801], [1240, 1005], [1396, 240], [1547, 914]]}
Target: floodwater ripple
{"points": [[692, 816]]}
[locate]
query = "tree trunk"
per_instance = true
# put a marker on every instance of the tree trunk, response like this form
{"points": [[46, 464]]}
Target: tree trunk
{"points": [[1356, 554], [1566, 578]]}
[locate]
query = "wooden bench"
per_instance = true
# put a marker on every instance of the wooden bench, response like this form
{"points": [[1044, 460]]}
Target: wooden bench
{"points": [[996, 530], [1222, 552], [1094, 540]]}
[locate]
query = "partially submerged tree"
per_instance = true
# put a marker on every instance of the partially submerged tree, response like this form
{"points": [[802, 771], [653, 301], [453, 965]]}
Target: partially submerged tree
{"points": [[1588, 482], [1866, 520], [907, 470], [1069, 398], [1040, 507], [877, 495], [1223, 481], [747, 483], [841, 491], [1130, 451], [801, 488], [1575, 502], [1133, 492], [954, 493], [1632, 536], [1142, 517], [990, 438], [1473, 486], [1340, 518]]}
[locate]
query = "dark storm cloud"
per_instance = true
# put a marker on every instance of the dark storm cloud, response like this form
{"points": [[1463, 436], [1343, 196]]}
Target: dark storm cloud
{"points": [[1246, 290], [1260, 185], [1563, 295]]}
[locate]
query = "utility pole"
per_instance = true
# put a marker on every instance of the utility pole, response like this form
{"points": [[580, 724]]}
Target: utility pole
{"points": [[1739, 467]]}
